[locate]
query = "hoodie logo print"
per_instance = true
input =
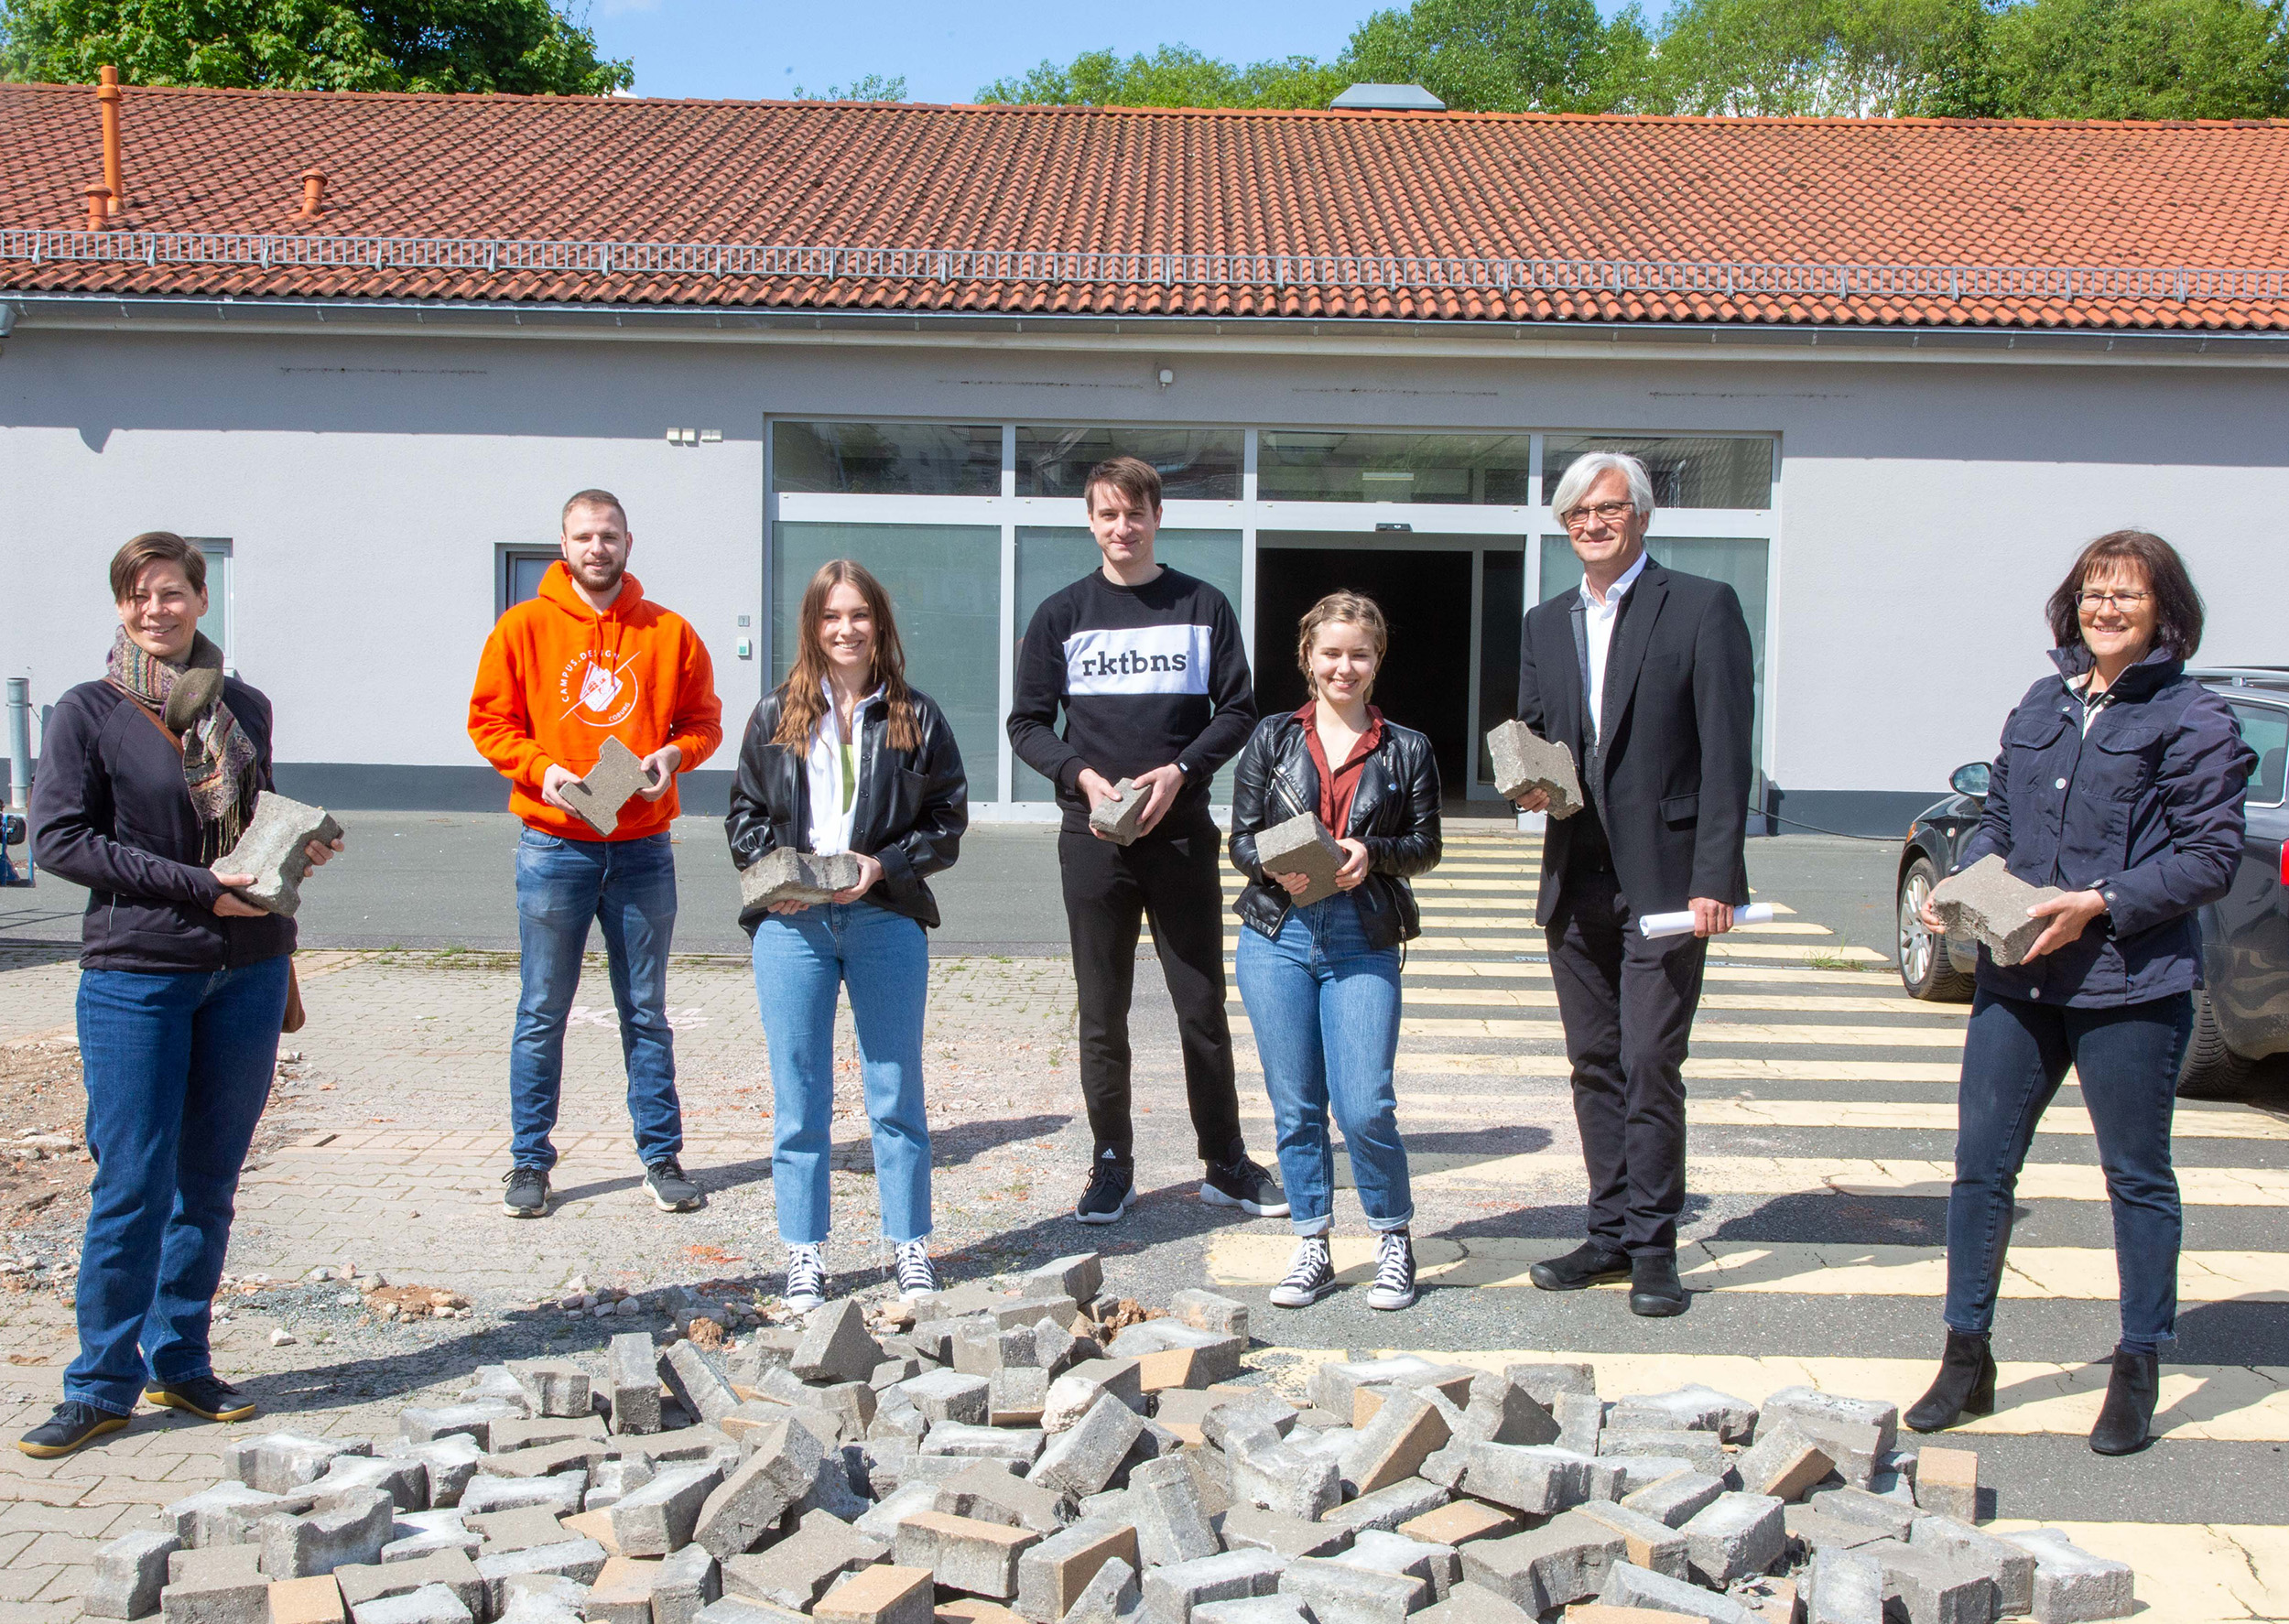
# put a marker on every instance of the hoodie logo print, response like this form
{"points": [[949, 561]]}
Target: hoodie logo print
{"points": [[602, 693]]}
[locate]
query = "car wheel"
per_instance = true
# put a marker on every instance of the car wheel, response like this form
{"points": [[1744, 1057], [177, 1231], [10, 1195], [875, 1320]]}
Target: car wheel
{"points": [[2210, 1070], [1924, 968]]}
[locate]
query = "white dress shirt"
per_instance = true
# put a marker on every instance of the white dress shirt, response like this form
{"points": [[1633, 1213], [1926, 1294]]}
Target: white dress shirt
{"points": [[1598, 622], [830, 820]]}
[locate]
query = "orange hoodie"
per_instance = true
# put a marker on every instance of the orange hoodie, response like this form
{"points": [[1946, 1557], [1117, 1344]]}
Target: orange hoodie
{"points": [[556, 678]]}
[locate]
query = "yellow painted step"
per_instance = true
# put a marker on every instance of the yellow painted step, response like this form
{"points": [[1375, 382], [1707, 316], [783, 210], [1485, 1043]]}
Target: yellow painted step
{"points": [[1699, 1068], [1705, 1031]]}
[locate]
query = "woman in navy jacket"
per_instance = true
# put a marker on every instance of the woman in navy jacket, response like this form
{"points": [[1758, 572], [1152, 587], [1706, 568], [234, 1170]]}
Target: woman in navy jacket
{"points": [[2120, 781]]}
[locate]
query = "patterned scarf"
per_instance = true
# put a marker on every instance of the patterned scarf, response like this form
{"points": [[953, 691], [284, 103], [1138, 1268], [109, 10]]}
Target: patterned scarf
{"points": [[218, 762]]}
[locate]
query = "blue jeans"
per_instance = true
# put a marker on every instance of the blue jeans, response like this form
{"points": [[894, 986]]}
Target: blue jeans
{"points": [[629, 888], [2014, 1057], [178, 1070], [1325, 1007], [802, 961]]}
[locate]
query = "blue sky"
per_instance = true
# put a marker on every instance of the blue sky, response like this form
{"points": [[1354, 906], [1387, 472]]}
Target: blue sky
{"points": [[761, 47]]}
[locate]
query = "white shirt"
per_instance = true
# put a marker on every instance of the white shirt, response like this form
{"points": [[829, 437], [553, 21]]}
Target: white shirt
{"points": [[830, 821], [1598, 623]]}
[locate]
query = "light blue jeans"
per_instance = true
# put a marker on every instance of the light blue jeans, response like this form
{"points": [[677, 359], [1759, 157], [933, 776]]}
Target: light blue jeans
{"points": [[802, 961], [628, 887], [1325, 1007]]}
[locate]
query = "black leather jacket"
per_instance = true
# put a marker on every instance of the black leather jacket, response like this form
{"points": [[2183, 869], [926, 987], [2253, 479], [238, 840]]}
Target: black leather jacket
{"points": [[1395, 811], [913, 805]]}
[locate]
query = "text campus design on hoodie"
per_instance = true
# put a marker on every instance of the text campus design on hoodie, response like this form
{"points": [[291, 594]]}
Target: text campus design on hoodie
{"points": [[556, 679]]}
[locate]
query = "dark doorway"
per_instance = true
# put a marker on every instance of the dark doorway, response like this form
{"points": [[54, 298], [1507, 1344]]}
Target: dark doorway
{"points": [[1425, 597]]}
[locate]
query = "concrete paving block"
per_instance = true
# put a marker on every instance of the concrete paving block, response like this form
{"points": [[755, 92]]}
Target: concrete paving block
{"points": [[1564, 1561], [420, 1424], [896, 1419], [321, 1542], [1810, 1530], [271, 849], [1171, 1355], [622, 1592], [553, 1387], [1647, 1542], [1769, 1597], [579, 1560], [1253, 1609], [1733, 1536], [687, 1446], [1301, 845], [1692, 1409], [516, 1528], [1268, 1472], [1120, 818], [1172, 1525], [1255, 1410], [1385, 1552], [686, 1583], [1076, 1391], [881, 1520], [660, 1516], [1111, 1597], [1857, 1505], [495, 1381], [785, 875], [541, 1598], [1338, 1593], [1057, 1350], [836, 1345], [1524, 761], [893, 1369], [1617, 1477], [1630, 1585], [227, 1587], [560, 1493], [1016, 1394], [963, 1553], [612, 1481], [1020, 1444], [450, 1462], [1078, 1279], [362, 1583], [529, 1432], [632, 1383], [1545, 1379], [1946, 1481], [1473, 1604], [739, 1609], [991, 1493], [1533, 1478], [1459, 1521], [432, 1604], [1172, 1592], [406, 1480], [545, 1460], [949, 1396], [1389, 1508], [737, 1514], [1052, 1575], [1782, 1462], [414, 1547], [219, 1562], [697, 1380], [1282, 1534], [1676, 1500], [306, 1601], [1925, 1586], [1581, 1419], [1393, 1444], [1082, 1458], [279, 1463], [2011, 1567], [1207, 1311], [225, 1513], [1501, 1410], [130, 1572], [1842, 1586], [1990, 903], [1700, 1448], [1854, 1431], [2072, 1586], [608, 786], [799, 1569]]}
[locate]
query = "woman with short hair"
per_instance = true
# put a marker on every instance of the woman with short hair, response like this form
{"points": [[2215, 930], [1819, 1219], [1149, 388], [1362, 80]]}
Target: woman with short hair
{"points": [[147, 777], [1321, 979], [2120, 781], [843, 756]]}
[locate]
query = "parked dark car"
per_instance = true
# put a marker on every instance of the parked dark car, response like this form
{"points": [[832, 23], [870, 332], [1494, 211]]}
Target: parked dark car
{"points": [[2241, 1014]]}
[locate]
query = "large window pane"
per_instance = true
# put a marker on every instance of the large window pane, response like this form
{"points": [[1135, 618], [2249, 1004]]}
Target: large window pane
{"points": [[1194, 463], [1687, 471], [2265, 730], [1293, 466], [1050, 556], [1741, 563], [887, 458], [1501, 629], [945, 587]]}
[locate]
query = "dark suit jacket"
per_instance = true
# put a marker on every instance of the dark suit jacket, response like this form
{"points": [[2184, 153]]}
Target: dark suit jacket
{"points": [[1680, 694]]}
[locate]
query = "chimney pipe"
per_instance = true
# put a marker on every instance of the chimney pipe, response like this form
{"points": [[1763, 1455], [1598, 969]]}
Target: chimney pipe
{"points": [[107, 104], [313, 194], [99, 199]]}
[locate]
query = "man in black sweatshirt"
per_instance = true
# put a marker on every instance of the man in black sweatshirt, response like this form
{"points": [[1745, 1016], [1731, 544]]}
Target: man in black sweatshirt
{"points": [[1150, 669]]}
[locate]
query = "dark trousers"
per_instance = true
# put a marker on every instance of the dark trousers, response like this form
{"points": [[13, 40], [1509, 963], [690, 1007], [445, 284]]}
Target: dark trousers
{"points": [[1169, 878], [2016, 1055], [1627, 1004]]}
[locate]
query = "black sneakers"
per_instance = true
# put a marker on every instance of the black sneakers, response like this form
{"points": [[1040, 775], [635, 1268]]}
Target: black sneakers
{"points": [[526, 1196], [1112, 1187], [1394, 1273], [1310, 1275], [671, 1191], [1656, 1292], [209, 1396], [1243, 1185], [74, 1426], [1587, 1264]]}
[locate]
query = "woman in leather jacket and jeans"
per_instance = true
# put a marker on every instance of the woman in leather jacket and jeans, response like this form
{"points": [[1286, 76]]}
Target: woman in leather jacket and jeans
{"points": [[2120, 781], [1321, 979], [843, 756]]}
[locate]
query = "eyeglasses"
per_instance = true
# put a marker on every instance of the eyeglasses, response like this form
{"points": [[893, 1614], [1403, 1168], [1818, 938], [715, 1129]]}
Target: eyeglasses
{"points": [[2114, 600], [1612, 512]]}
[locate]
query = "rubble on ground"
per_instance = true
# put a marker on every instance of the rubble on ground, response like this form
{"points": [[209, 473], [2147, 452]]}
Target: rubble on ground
{"points": [[1043, 1455]]}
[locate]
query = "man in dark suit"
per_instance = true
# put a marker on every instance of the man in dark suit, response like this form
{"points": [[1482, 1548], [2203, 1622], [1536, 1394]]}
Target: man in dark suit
{"points": [[1648, 676]]}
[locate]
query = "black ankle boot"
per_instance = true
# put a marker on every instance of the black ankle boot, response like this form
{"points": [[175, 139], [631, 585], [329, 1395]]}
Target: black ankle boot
{"points": [[1965, 1386], [2127, 1417]]}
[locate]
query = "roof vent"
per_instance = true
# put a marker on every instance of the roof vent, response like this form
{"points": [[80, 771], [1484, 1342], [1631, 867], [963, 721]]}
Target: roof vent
{"points": [[1387, 98]]}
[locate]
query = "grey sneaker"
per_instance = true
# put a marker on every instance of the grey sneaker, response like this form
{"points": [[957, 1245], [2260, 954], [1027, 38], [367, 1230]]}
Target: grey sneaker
{"points": [[671, 1191], [526, 1196]]}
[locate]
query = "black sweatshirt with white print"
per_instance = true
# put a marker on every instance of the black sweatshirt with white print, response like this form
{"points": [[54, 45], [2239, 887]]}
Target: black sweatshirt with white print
{"points": [[1148, 675]]}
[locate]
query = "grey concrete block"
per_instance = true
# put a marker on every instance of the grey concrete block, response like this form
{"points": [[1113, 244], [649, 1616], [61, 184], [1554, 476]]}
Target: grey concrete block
{"points": [[981, 1345], [1702, 1449], [1052, 1575], [516, 1528], [303, 1547], [1694, 1409], [1396, 1441], [2071, 1585], [799, 1569], [1677, 1500], [1581, 1420], [949, 1396], [1617, 1477], [279, 1463], [1990, 903], [1075, 1393], [406, 1480], [687, 1582], [1646, 1542], [1504, 1412], [226, 1513], [453, 1569], [1207, 1311], [739, 1609], [1257, 1410], [1082, 1459], [1214, 1357], [450, 1462], [660, 1517], [1926, 1585], [632, 1382], [892, 1369], [579, 1560], [1387, 1508], [1854, 1431], [1524, 761], [1171, 1524], [964, 1553], [612, 1481], [553, 1387], [1112, 1595], [990, 1492], [1809, 1530], [1019, 1444], [216, 1563], [1630, 1585], [414, 1547], [422, 1423], [271, 849], [130, 1572], [432, 1604], [1303, 846], [785, 875], [1279, 1477], [541, 1598], [1782, 1462], [609, 786], [1857, 1505], [560, 1493], [1733, 1536], [735, 1513], [836, 1346], [1018, 1394], [1282, 1534], [1473, 1604], [1253, 1609], [495, 1381], [1173, 1591], [1564, 1561], [1842, 1586], [1545, 1379], [1526, 1478], [1338, 1593], [881, 1520], [216, 1592], [1385, 1552], [1078, 1279], [1120, 818], [698, 1381], [2009, 1566], [529, 1432]]}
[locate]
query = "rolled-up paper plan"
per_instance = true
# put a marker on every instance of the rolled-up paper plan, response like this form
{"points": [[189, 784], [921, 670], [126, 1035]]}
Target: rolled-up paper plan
{"points": [[1678, 925]]}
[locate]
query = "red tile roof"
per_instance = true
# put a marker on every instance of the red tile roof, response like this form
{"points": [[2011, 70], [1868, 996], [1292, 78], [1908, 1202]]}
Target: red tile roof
{"points": [[1482, 193]]}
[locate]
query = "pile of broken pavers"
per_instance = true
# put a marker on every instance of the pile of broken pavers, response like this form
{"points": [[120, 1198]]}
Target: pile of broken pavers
{"points": [[989, 1461]]}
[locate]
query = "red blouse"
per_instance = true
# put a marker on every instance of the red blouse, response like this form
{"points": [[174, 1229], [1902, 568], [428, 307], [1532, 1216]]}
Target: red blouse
{"points": [[1338, 788]]}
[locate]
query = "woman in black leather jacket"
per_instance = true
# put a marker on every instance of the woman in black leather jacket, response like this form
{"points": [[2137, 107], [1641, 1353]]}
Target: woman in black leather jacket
{"points": [[1320, 978], [844, 757]]}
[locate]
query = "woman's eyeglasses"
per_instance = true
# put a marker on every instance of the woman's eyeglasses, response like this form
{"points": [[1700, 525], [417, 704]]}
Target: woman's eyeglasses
{"points": [[2113, 600]]}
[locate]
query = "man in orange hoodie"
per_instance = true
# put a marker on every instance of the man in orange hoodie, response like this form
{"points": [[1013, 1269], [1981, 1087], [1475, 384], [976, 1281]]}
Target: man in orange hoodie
{"points": [[592, 657]]}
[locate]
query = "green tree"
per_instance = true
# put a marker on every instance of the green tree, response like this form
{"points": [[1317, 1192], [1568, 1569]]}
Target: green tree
{"points": [[1489, 56], [1817, 58], [871, 87], [2141, 58], [1173, 76], [1963, 64], [527, 47]]}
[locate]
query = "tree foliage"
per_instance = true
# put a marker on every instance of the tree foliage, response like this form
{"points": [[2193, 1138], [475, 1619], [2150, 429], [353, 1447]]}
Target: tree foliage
{"points": [[2141, 59], [871, 87], [527, 47], [1509, 56], [1173, 76]]}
